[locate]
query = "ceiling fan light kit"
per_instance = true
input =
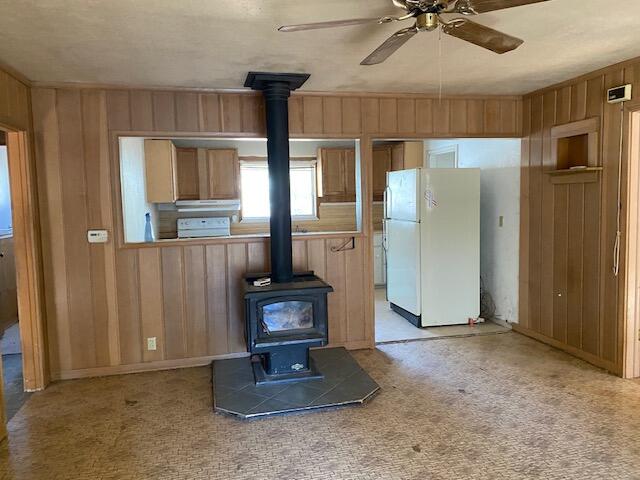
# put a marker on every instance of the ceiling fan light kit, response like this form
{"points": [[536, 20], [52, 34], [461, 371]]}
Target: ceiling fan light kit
{"points": [[427, 15]]}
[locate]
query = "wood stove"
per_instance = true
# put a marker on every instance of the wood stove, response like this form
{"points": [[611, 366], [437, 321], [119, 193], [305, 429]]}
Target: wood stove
{"points": [[289, 316], [284, 320]]}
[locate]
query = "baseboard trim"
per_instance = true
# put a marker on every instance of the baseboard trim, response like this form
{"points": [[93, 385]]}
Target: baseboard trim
{"points": [[576, 352], [171, 364]]}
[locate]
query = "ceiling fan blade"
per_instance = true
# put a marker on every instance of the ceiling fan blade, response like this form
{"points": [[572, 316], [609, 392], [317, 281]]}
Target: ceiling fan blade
{"points": [[390, 45], [482, 6], [332, 24], [482, 36]]}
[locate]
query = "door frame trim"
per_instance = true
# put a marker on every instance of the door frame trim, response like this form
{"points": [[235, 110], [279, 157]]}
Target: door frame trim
{"points": [[28, 257]]}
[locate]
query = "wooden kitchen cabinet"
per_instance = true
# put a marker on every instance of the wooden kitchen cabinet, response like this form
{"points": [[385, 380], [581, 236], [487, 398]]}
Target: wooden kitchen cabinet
{"points": [[337, 179], [219, 174], [381, 165], [188, 176], [160, 171]]}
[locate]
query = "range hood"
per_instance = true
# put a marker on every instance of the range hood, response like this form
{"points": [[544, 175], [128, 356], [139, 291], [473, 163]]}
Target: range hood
{"points": [[194, 206]]}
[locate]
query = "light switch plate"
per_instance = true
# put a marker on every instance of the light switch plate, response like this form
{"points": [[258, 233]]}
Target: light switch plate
{"points": [[98, 236], [151, 343]]}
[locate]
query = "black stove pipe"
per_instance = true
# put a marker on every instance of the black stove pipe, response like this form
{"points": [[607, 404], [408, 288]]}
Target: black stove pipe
{"points": [[276, 88]]}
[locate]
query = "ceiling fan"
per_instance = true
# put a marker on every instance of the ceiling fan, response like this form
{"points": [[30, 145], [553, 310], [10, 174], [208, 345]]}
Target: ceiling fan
{"points": [[427, 14]]}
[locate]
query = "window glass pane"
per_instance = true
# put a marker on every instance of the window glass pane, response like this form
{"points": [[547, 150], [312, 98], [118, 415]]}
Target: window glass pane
{"points": [[255, 192], [302, 191], [254, 181]]}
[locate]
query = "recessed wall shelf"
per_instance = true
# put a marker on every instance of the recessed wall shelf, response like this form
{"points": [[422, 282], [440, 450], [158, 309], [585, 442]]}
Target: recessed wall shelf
{"points": [[574, 175], [575, 144]]}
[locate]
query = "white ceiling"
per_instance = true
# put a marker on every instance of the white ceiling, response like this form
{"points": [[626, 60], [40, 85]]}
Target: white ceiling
{"points": [[213, 43]]}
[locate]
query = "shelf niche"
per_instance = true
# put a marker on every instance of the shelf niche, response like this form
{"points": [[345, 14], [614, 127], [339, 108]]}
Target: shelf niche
{"points": [[574, 148]]}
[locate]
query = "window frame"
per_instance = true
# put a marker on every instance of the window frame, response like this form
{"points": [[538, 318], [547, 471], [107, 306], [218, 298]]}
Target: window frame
{"points": [[299, 162]]}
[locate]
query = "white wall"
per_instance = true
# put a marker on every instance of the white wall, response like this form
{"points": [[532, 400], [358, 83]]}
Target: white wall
{"points": [[5, 193], [499, 163], [134, 193]]}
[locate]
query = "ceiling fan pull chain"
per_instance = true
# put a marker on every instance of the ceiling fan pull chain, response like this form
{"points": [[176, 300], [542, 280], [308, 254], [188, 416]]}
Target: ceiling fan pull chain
{"points": [[440, 66]]}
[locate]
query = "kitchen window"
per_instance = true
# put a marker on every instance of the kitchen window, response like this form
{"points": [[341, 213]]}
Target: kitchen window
{"points": [[254, 184]]}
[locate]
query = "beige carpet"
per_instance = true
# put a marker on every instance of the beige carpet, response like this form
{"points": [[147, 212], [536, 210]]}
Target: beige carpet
{"points": [[483, 407]]}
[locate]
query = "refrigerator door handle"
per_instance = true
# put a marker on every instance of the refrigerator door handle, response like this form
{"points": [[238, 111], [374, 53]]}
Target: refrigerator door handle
{"points": [[386, 198]]}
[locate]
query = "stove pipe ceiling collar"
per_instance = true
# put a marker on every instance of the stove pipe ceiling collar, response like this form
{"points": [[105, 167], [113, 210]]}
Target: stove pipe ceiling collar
{"points": [[276, 88]]}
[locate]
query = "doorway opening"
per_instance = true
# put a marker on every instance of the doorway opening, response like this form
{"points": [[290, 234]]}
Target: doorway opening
{"points": [[10, 343], [446, 237], [631, 365]]}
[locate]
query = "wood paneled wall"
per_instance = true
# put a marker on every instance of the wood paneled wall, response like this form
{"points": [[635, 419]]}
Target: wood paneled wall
{"points": [[569, 296], [104, 300], [15, 111]]}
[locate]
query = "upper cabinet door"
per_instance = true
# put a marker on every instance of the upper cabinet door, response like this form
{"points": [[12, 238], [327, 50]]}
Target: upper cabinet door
{"points": [[187, 170], [333, 172], [224, 174], [160, 171], [381, 165], [350, 173]]}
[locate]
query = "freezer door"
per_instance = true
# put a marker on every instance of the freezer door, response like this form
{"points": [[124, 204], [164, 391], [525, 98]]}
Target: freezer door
{"points": [[450, 253], [403, 264], [402, 195]]}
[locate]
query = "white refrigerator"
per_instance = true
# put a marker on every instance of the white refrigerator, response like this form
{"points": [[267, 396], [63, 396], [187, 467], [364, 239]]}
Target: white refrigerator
{"points": [[432, 243]]}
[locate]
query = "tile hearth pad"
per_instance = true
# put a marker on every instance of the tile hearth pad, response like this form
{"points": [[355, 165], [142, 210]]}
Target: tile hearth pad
{"points": [[344, 383]]}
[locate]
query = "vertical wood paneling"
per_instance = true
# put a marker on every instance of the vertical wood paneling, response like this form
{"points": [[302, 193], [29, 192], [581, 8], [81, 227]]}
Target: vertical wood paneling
{"points": [[508, 120], [210, 112], [312, 115], [575, 260], [492, 116], [217, 324], [578, 101], [547, 293], [406, 115], [257, 257], [164, 111], [523, 300], [173, 298], [48, 160], [535, 213], [299, 253], [351, 116], [332, 115], [424, 116], [105, 300], [151, 314], [96, 172], [296, 114], [355, 293], [141, 108], [236, 268], [335, 274], [591, 269], [74, 194], [195, 301], [128, 292], [370, 115], [560, 260], [231, 113], [441, 116], [253, 114], [187, 112], [609, 286], [458, 116], [475, 117], [388, 115]]}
